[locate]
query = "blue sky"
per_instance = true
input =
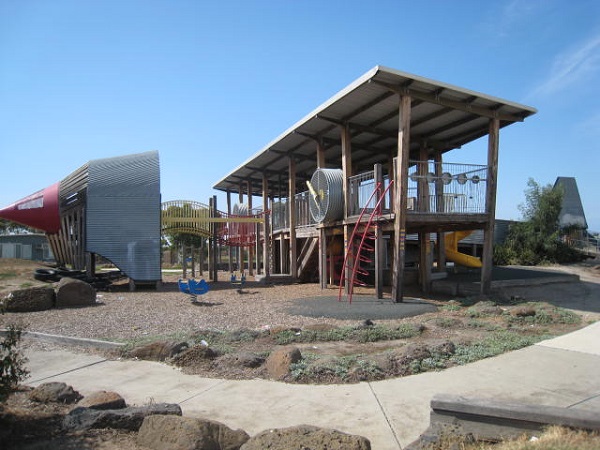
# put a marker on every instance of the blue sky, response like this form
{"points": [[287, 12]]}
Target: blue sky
{"points": [[208, 84]]}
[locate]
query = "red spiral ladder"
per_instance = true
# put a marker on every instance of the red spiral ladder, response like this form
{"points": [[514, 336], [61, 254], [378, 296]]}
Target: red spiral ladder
{"points": [[364, 246]]}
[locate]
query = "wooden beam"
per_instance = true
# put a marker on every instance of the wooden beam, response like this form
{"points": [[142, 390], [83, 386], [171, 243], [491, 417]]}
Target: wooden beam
{"points": [[292, 213], [320, 154], [424, 237], [490, 206], [229, 247], [347, 172], [439, 206], [379, 248], [400, 197], [266, 230], [251, 249], [491, 113]]}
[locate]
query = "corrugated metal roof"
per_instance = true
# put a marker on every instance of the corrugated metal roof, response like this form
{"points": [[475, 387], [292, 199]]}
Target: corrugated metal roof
{"points": [[447, 116]]}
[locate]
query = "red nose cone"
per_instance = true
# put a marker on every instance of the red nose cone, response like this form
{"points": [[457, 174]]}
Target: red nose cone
{"points": [[39, 210]]}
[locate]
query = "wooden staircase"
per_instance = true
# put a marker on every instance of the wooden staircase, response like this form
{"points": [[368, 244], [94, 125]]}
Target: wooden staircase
{"points": [[308, 260]]}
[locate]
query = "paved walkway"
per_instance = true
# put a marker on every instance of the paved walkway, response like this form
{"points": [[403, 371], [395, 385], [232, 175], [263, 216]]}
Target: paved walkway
{"points": [[559, 372]]}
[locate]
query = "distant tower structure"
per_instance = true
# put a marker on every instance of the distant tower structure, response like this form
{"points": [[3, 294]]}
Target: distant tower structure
{"points": [[109, 207], [571, 212]]}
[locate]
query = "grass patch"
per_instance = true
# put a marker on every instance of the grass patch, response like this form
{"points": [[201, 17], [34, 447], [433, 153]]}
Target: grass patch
{"points": [[144, 340], [361, 334], [546, 315], [7, 275], [495, 344], [554, 438]]}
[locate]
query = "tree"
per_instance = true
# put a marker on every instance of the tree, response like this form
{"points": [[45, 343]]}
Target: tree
{"points": [[8, 227], [537, 239]]}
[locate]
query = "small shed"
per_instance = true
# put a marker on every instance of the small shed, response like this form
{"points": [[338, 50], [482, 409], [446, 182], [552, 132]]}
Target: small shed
{"points": [[25, 246]]}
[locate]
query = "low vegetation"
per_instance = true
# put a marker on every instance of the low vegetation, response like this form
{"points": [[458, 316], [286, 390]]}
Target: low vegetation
{"points": [[462, 331], [554, 438], [537, 239]]}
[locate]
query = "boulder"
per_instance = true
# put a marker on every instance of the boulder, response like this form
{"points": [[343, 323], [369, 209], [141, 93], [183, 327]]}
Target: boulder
{"points": [[158, 351], [187, 433], [524, 311], [129, 418], [402, 360], [279, 362], [194, 355], [443, 348], [484, 308], [73, 292], [306, 437], [54, 392], [38, 298], [248, 360], [103, 400]]}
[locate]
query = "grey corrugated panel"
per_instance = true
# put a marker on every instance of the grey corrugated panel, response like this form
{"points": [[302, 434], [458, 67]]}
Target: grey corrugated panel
{"points": [[123, 213]]}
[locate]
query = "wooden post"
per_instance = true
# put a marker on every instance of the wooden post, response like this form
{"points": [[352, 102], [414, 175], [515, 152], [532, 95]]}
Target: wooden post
{"points": [[490, 206], [184, 262], [250, 248], [320, 154], [379, 251], [201, 257], [347, 173], [215, 274], [439, 207], [211, 255], [292, 212], [400, 197], [90, 264], [267, 232], [229, 247], [323, 258], [193, 261], [240, 249], [424, 238]]}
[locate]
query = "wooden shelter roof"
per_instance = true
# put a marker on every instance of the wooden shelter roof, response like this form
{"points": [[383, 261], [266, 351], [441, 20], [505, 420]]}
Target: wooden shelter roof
{"points": [[445, 116]]}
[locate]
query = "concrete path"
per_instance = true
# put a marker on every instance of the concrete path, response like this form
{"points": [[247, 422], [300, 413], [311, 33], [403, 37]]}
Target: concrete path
{"points": [[559, 372]]}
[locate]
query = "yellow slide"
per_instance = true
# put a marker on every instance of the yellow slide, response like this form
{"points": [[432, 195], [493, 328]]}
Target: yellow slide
{"points": [[454, 255]]}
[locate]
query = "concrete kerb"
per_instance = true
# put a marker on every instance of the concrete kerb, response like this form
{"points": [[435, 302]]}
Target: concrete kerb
{"points": [[68, 340], [489, 419], [466, 288]]}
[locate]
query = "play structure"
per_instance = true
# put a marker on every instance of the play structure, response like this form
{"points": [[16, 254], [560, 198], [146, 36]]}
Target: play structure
{"points": [[111, 208], [388, 127], [108, 207], [452, 253], [193, 288], [362, 179]]}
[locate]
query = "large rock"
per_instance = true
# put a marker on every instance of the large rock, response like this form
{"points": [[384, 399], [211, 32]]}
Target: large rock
{"points": [[129, 418], [158, 351], [279, 362], [186, 433], [38, 298], [72, 292], [55, 392], [103, 400], [242, 359], [194, 355], [306, 437]]}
